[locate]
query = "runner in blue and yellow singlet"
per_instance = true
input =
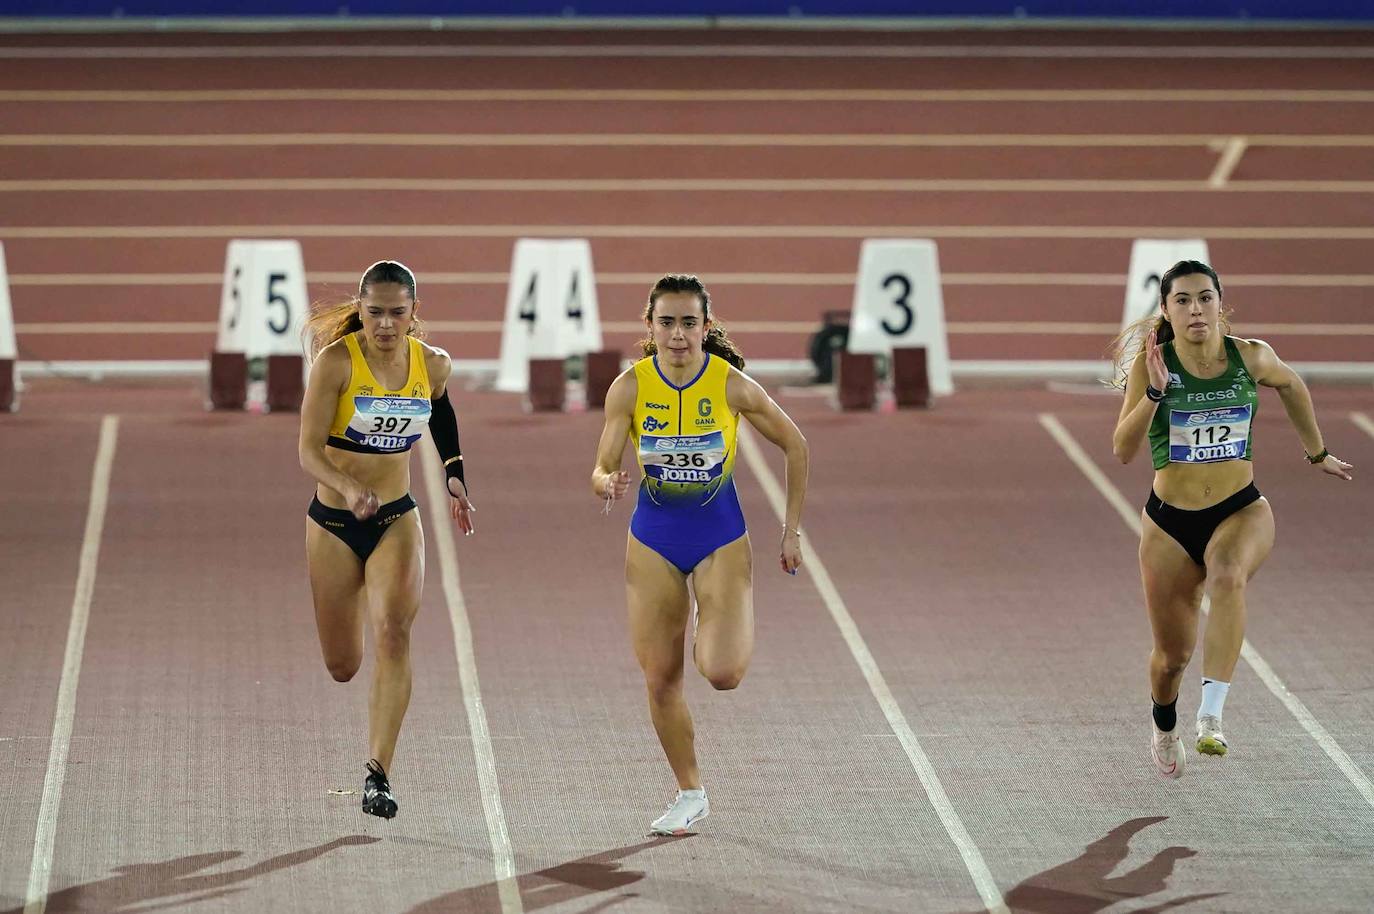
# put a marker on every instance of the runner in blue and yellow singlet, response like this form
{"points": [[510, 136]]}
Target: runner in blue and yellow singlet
{"points": [[1205, 528], [374, 388], [680, 407]]}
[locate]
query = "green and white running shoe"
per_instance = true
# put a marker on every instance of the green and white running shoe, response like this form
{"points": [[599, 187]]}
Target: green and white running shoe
{"points": [[1210, 740]]}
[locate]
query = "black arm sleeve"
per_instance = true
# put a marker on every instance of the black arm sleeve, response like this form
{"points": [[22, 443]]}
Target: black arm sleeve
{"points": [[443, 428]]}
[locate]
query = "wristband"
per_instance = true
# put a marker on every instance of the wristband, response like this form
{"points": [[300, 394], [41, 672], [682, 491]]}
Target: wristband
{"points": [[1317, 458], [453, 469], [1153, 393]]}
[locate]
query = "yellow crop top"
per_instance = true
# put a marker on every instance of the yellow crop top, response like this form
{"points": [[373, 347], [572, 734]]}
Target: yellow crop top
{"points": [[373, 420]]}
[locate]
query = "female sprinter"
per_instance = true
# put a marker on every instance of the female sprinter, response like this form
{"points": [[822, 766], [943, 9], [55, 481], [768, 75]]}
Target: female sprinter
{"points": [[373, 388], [680, 407], [1205, 528]]}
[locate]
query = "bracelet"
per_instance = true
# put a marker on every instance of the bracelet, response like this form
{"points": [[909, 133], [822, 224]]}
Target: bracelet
{"points": [[1317, 458], [1153, 393], [786, 529]]}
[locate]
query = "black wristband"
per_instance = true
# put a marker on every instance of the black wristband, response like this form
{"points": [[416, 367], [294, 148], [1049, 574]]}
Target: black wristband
{"points": [[1153, 393], [1317, 458]]}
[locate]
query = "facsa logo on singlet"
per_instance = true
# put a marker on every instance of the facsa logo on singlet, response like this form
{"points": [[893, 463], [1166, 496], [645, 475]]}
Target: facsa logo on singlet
{"points": [[652, 424], [1208, 395], [651, 405]]}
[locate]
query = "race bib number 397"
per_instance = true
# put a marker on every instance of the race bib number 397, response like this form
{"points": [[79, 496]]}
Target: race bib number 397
{"points": [[1209, 435], [388, 423]]}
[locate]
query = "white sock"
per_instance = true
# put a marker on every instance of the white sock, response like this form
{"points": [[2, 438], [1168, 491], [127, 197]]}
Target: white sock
{"points": [[1213, 697], [693, 792]]}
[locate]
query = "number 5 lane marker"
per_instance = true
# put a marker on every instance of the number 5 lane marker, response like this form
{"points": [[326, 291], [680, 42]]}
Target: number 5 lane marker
{"points": [[925, 771], [1257, 663], [46, 830]]}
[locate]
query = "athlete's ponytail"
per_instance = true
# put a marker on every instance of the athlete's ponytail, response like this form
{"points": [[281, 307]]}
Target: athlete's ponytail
{"points": [[717, 341]]}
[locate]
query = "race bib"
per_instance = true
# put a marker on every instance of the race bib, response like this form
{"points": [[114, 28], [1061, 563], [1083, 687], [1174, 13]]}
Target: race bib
{"points": [[687, 459], [1209, 435], [387, 424]]}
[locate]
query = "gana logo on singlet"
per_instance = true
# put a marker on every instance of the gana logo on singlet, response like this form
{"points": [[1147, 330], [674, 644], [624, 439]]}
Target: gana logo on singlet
{"points": [[684, 460], [387, 423], [1209, 435]]}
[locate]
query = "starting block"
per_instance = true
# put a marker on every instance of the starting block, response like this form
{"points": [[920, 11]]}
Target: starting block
{"points": [[228, 380], [285, 383], [857, 380], [551, 312], [910, 377], [9, 400], [898, 305], [603, 367], [263, 309], [548, 385]]}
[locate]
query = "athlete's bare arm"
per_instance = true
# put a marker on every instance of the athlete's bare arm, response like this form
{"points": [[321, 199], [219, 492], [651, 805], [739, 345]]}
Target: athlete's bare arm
{"points": [[609, 481]]}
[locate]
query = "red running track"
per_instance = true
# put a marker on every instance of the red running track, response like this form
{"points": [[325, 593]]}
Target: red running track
{"points": [[996, 590]]}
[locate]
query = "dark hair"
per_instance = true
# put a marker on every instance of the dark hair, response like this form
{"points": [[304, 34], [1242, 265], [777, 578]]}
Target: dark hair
{"points": [[717, 341], [387, 271], [1129, 342], [330, 322]]}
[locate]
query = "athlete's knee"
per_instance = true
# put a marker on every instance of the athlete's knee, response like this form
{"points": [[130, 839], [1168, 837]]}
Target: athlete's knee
{"points": [[1225, 579], [663, 686], [343, 668], [725, 679], [1172, 661], [392, 638]]}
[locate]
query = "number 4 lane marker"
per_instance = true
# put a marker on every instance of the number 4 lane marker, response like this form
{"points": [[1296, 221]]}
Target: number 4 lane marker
{"points": [[1266, 673], [925, 771]]}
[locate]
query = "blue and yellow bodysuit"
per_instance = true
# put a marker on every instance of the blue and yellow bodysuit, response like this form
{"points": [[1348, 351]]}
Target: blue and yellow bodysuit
{"points": [[685, 442]]}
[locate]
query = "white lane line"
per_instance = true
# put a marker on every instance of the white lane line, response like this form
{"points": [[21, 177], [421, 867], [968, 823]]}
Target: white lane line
{"points": [[1251, 656], [560, 140], [1080, 232], [660, 185], [1230, 157], [774, 96], [1364, 422], [46, 831], [1109, 280], [484, 756], [1017, 328], [345, 52], [877, 684]]}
